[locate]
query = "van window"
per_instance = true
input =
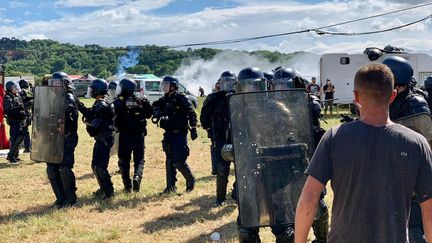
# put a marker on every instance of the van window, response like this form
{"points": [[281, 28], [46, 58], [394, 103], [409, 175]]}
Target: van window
{"points": [[344, 60], [152, 86], [182, 89], [138, 87]]}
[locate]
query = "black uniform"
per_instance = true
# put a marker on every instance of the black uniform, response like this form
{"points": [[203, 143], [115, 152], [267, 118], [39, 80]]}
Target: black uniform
{"points": [[27, 98], [215, 119], [16, 118], [61, 177], [176, 114], [100, 125], [405, 104], [131, 114]]}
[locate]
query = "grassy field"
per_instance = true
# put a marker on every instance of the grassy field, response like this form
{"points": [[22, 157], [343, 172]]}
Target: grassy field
{"points": [[146, 216]]}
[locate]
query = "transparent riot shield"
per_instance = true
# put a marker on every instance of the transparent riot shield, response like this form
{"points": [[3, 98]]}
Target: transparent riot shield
{"points": [[421, 123], [48, 124], [273, 141]]}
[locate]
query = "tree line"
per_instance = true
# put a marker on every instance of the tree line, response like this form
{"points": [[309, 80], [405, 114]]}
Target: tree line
{"points": [[41, 57]]}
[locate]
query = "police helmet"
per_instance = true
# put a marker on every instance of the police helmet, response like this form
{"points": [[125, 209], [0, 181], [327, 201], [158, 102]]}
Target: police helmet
{"points": [[226, 81], [126, 87], [284, 78], [12, 87], [60, 79], [401, 68], [428, 82], [98, 87], [24, 84], [250, 79], [167, 83]]}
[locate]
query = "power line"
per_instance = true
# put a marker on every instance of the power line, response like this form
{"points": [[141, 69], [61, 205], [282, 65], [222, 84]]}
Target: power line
{"points": [[317, 30]]}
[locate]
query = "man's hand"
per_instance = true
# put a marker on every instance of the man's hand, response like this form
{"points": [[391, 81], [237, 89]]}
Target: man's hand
{"points": [[426, 208], [194, 133]]}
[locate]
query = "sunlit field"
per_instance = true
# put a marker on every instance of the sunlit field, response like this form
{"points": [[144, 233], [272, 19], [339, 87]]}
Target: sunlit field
{"points": [[26, 197]]}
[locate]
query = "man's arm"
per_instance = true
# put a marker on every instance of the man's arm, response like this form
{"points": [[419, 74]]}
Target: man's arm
{"points": [[426, 208], [306, 208]]}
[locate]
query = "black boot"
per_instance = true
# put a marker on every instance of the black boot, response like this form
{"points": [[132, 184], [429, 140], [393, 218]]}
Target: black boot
{"points": [[54, 178], [170, 177], [104, 180], [187, 174], [124, 172], [69, 185], [138, 173]]}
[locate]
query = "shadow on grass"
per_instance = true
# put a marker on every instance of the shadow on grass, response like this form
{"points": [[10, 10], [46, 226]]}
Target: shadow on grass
{"points": [[228, 232], [24, 215], [86, 176], [182, 218]]}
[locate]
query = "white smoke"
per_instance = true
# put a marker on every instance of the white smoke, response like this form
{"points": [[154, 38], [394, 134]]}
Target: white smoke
{"points": [[205, 73], [128, 60]]}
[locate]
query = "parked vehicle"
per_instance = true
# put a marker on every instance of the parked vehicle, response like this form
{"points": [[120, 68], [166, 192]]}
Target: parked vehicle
{"points": [[340, 68]]}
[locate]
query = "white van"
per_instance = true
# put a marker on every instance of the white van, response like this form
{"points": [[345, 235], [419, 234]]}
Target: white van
{"points": [[340, 68], [148, 85]]}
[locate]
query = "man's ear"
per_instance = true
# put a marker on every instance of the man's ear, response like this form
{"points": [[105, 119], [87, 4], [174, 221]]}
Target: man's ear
{"points": [[356, 97], [393, 96]]}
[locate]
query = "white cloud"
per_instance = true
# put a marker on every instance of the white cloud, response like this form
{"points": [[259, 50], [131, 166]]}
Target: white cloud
{"points": [[34, 37], [6, 21], [86, 3], [17, 4], [132, 23]]}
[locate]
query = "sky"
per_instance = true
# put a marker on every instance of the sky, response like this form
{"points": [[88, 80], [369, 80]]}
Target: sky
{"points": [[171, 22]]}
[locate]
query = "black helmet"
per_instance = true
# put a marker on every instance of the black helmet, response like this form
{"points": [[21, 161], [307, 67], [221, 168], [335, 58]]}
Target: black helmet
{"points": [[401, 68], [284, 78], [167, 83], [250, 79], [428, 82], [98, 87], [10, 85], [268, 75], [226, 81], [24, 84], [113, 85], [126, 87], [60, 79]]}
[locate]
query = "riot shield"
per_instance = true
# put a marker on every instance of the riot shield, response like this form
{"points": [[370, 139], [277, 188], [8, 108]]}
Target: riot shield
{"points": [[273, 141], [48, 124], [421, 123]]}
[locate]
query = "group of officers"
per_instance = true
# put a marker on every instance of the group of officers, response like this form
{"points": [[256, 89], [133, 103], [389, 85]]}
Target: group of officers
{"points": [[117, 108]]}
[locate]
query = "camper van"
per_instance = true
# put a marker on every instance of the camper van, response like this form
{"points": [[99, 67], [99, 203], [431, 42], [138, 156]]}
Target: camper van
{"points": [[340, 68], [148, 85]]}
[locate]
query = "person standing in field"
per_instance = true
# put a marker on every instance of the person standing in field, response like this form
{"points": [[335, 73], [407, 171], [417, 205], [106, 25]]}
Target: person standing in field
{"points": [[374, 178], [329, 90]]}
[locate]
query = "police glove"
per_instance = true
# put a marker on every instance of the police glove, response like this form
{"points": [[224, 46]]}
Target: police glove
{"points": [[194, 133]]}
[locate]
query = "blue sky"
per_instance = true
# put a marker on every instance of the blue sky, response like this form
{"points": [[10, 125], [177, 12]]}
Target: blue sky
{"points": [[170, 22]]}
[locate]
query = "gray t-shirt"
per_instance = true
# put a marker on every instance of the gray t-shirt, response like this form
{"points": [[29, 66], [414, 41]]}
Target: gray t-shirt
{"points": [[374, 172]]}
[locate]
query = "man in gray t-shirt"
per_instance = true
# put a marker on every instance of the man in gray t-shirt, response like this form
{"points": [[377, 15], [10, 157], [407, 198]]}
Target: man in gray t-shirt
{"points": [[374, 167]]}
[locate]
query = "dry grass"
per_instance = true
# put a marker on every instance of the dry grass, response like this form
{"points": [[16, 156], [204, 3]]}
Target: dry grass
{"points": [[144, 217]]}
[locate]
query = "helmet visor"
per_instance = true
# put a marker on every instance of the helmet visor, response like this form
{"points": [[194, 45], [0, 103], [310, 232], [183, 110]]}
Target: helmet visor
{"points": [[118, 90], [165, 87], [251, 85], [283, 84], [226, 84], [55, 82], [14, 87]]}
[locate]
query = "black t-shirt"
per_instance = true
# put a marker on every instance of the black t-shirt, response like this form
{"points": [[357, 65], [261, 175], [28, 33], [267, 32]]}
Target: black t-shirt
{"points": [[374, 172], [328, 94]]}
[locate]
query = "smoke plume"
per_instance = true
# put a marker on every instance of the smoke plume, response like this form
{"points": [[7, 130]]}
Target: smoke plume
{"points": [[205, 73], [128, 60]]}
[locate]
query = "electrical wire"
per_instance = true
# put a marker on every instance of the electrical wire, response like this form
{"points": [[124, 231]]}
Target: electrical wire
{"points": [[317, 30]]}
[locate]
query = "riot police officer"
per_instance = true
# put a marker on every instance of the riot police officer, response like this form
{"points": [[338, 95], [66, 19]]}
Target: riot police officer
{"points": [[27, 98], [61, 176], [287, 78], [215, 120], [99, 120], [131, 114], [175, 114], [16, 117], [405, 104]]}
